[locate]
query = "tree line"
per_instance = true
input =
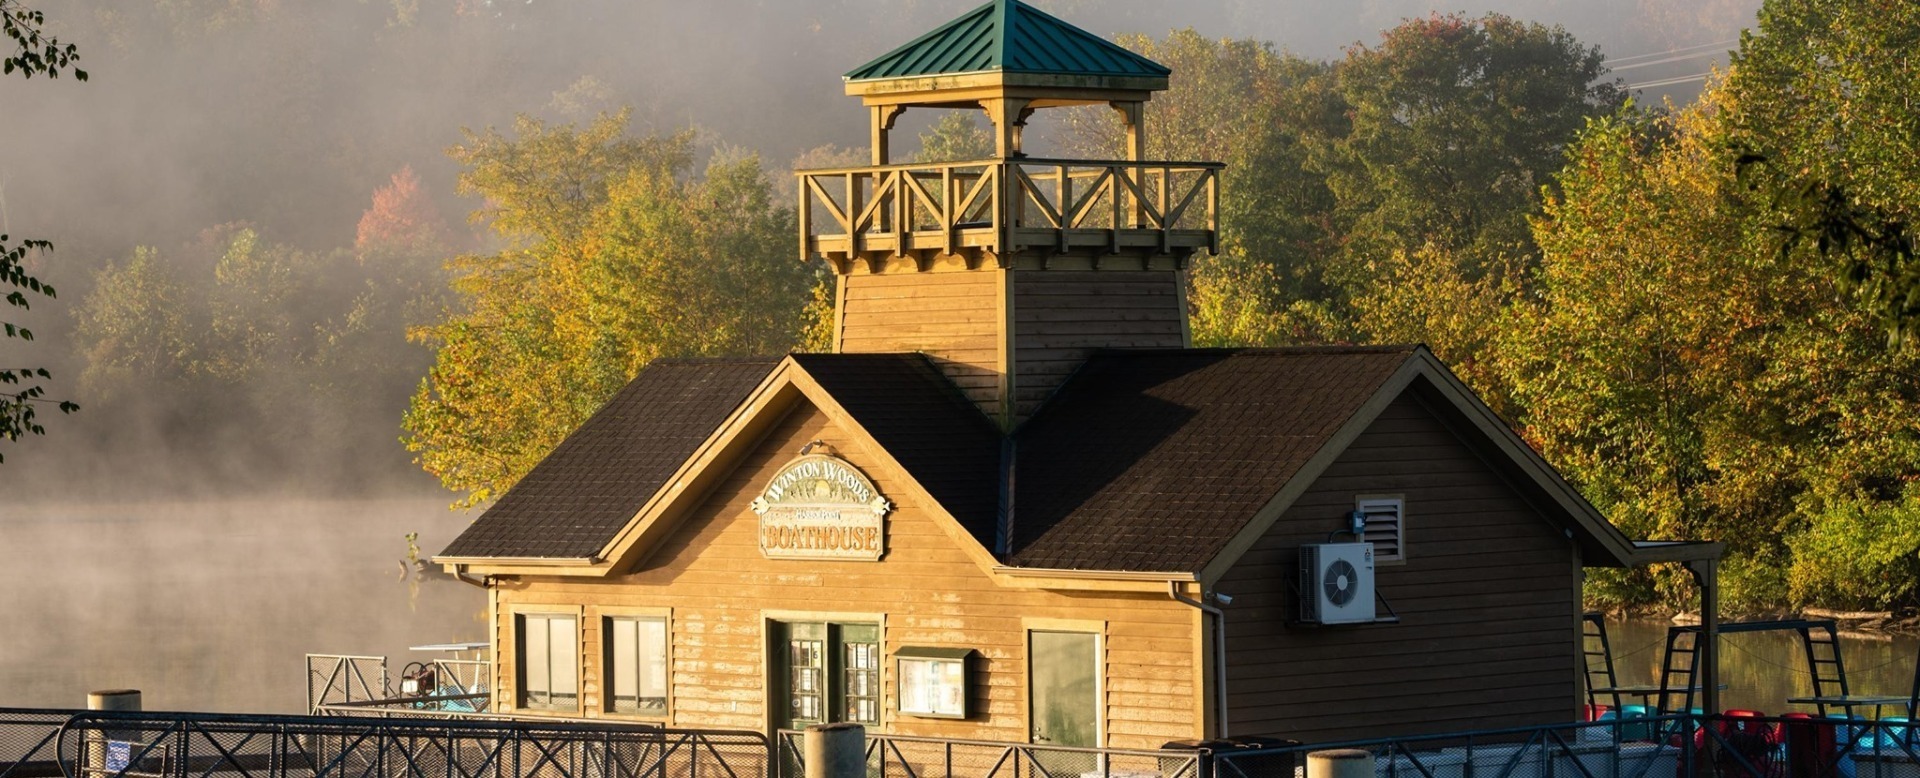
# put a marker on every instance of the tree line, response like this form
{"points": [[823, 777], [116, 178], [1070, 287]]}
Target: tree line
{"points": [[1700, 314]]}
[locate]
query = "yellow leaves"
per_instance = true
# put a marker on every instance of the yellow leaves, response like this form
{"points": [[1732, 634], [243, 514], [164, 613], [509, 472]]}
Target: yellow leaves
{"points": [[618, 258]]}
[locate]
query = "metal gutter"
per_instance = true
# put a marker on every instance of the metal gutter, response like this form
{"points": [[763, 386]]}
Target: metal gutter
{"points": [[1094, 575], [542, 561]]}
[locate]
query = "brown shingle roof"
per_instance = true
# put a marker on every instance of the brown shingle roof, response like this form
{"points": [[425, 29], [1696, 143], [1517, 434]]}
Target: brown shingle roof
{"points": [[925, 423], [1153, 460], [581, 495]]}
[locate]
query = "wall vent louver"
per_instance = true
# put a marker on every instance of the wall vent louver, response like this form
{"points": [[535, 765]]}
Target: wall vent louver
{"points": [[1336, 583]]}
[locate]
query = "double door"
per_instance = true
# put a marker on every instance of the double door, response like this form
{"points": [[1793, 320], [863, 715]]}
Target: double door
{"points": [[825, 672]]}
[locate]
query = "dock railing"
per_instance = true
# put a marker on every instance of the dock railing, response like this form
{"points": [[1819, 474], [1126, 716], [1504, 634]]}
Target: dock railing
{"points": [[1008, 205], [897, 756], [85, 744]]}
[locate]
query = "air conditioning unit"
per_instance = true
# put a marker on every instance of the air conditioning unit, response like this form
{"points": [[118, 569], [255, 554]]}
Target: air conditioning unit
{"points": [[1336, 583]]}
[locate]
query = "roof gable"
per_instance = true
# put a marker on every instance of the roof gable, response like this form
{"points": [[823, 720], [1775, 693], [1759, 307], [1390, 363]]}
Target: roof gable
{"points": [[591, 484], [923, 421], [1010, 37], [1155, 460]]}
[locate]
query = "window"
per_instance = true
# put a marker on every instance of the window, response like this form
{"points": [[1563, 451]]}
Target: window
{"points": [[637, 664], [549, 661], [1382, 525]]}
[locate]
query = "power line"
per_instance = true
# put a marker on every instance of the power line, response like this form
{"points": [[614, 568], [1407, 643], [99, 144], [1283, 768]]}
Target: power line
{"points": [[1670, 81], [1669, 52], [1665, 60]]}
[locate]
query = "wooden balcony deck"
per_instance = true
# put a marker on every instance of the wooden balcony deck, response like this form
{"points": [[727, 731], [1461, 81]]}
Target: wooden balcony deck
{"points": [[1001, 208]]}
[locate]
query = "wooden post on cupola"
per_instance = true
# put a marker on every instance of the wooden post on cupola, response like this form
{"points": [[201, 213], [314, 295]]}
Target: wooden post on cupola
{"points": [[1008, 271]]}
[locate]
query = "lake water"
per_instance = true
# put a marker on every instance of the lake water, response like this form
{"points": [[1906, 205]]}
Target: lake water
{"points": [[1762, 669], [213, 606]]}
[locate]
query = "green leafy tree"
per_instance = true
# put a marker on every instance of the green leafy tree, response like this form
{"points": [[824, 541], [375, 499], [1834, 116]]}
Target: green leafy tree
{"points": [[1455, 125], [1698, 382], [1243, 103], [956, 136], [34, 53], [614, 256], [1825, 119]]}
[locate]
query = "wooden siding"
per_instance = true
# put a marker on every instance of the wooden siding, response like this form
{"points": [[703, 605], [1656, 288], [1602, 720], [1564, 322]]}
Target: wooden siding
{"points": [[926, 592], [1487, 598], [953, 317], [1060, 315]]}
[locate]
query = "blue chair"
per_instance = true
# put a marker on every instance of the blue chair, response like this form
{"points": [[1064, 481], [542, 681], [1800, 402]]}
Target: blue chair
{"points": [[1632, 731]]}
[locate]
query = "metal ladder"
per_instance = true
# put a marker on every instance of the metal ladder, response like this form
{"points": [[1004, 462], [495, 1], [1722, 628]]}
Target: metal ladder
{"points": [[1678, 669], [1598, 653], [1820, 639], [1829, 673]]}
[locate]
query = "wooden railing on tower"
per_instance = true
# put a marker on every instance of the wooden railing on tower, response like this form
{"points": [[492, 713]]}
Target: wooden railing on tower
{"points": [[1006, 206]]}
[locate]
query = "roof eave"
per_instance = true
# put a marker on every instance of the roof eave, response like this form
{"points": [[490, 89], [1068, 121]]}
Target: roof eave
{"points": [[933, 84], [1646, 552]]}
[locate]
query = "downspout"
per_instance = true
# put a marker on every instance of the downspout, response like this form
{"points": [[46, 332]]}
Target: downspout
{"points": [[1219, 651], [460, 572]]}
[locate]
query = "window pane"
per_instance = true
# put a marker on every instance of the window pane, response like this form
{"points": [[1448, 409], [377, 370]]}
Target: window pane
{"points": [[626, 675], [537, 673], [565, 650], [653, 663]]}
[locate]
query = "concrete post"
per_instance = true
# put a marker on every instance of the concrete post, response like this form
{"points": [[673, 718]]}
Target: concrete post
{"points": [[836, 751], [107, 700], [1340, 763]]}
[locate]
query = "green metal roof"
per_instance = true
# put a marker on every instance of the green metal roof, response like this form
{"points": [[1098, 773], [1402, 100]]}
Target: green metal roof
{"points": [[1008, 36]]}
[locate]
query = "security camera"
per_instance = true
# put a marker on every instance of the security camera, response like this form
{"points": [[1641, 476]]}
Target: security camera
{"points": [[1223, 598]]}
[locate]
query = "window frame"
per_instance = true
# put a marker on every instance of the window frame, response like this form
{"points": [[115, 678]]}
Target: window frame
{"points": [[1361, 504], [605, 616], [522, 694], [1096, 628]]}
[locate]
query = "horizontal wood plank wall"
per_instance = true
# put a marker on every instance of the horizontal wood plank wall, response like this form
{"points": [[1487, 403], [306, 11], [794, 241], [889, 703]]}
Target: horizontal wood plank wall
{"points": [[1060, 315], [1485, 597], [951, 316], [713, 576]]}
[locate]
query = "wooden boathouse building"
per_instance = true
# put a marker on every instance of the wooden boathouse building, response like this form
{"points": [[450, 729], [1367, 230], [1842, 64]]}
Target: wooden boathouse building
{"points": [[1014, 504]]}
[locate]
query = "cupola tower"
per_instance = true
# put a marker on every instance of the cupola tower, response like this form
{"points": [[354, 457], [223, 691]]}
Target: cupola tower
{"points": [[1008, 271]]}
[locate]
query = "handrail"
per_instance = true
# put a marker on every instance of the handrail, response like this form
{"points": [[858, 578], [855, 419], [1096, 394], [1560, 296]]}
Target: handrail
{"points": [[1005, 205], [1012, 160]]}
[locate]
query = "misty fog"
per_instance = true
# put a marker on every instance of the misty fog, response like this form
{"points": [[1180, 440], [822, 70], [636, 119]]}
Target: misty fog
{"points": [[160, 551]]}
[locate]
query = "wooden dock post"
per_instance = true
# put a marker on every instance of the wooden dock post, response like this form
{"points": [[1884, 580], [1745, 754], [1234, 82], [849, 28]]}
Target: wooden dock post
{"points": [[1340, 763], [836, 751]]}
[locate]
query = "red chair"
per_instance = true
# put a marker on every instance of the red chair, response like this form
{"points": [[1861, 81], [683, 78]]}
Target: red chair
{"points": [[1812, 750], [1746, 738], [1595, 712]]}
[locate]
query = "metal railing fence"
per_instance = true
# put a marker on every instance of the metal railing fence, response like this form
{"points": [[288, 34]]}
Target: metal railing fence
{"points": [[897, 756], [28, 741], [85, 744], [338, 678], [1676, 746]]}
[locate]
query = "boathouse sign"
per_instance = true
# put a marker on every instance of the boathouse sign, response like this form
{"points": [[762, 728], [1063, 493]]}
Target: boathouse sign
{"points": [[821, 507]]}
